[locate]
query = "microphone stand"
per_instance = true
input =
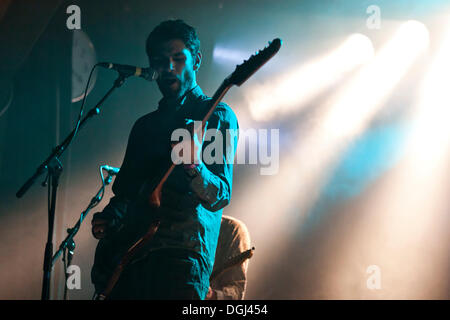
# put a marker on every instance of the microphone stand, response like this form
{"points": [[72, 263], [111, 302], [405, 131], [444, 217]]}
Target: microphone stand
{"points": [[68, 243], [54, 169], [70, 249]]}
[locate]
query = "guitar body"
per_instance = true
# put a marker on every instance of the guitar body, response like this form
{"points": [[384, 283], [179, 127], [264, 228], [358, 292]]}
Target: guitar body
{"points": [[114, 250]]}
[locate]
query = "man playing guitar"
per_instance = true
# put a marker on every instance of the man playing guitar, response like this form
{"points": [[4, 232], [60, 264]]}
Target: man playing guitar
{"points": [[179, 259]]}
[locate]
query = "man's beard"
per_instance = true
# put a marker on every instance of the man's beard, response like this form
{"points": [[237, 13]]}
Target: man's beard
{"points": [[173, 87]]}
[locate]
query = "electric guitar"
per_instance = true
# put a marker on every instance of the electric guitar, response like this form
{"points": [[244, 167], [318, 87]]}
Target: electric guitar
{"points": [[127, 243]]}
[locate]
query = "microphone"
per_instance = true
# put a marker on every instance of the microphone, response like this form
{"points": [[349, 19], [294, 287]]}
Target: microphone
{"points": [[111, 170], [126, 70]]}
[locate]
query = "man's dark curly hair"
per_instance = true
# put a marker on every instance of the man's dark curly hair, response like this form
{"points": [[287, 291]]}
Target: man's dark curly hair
{"points": [[173, 29]]}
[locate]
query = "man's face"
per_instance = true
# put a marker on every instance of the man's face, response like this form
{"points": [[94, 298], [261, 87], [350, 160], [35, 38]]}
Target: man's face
{"points": [[176, 68]]}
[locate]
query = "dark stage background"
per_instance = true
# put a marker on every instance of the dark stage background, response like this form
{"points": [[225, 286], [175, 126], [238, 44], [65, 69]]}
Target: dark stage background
{"points": [[319, 251]]}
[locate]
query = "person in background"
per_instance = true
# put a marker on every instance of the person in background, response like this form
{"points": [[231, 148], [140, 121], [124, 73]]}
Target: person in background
{"points": [[234, 239]]}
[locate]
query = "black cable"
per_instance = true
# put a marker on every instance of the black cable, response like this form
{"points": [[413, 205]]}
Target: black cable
{"points": [[80, 115], [65, 273], [103, 183]]}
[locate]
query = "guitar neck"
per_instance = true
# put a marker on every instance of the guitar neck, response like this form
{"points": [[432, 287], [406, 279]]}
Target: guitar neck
{"points": [[215, 100], [232, 262]]}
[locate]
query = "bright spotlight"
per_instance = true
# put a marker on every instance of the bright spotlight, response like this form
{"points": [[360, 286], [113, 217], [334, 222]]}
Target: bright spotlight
{"points": [[223, 54], [431, 132], [304, 170], [301, 182], [404, 220], [349, 111], [356, 105], [294, 90]]}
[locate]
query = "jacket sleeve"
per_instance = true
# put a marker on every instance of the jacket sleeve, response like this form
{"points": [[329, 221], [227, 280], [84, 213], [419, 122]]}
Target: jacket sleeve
{"points": [[213, 182]]}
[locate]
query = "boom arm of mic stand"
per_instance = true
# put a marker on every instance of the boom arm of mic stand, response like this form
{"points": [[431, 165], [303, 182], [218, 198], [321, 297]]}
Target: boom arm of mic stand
{"points": [[58, 151]]}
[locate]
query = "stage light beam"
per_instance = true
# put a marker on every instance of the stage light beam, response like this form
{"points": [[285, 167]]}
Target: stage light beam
{"points": [[404, 220], [430, 129], [292, 91], [304, 171], [356, 105]]}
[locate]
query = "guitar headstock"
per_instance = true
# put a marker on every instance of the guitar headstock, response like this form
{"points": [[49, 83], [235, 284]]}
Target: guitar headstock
{"points": [[249, 253], [246, 69]]}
